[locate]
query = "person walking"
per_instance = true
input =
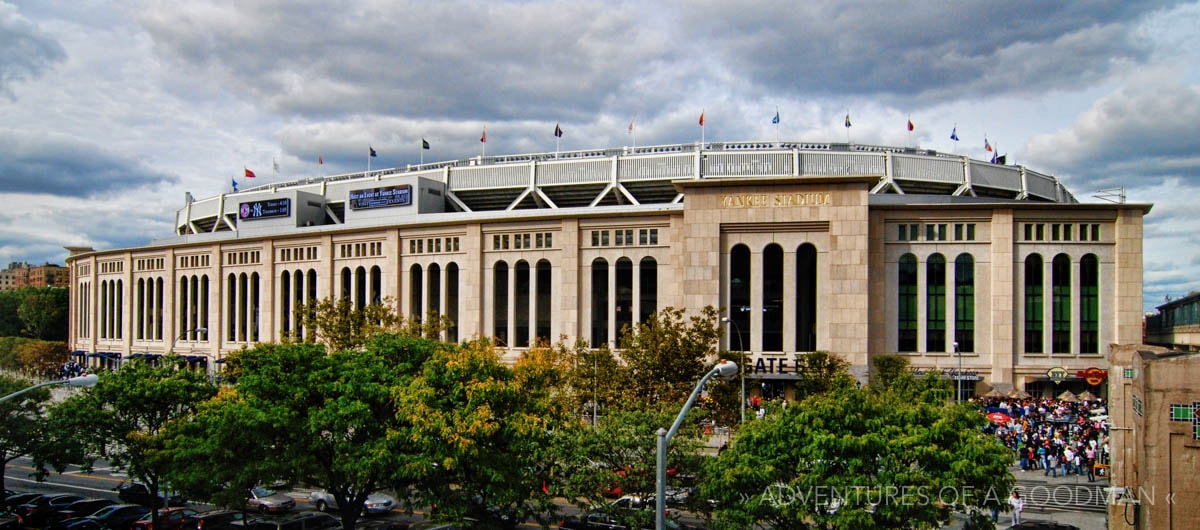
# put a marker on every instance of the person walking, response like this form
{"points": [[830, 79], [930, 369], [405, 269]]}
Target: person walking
{"points": [[1018, 506]]}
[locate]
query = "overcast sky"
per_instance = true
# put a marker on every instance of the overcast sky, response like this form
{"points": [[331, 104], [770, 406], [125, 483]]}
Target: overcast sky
{"points": [[110, 109]]}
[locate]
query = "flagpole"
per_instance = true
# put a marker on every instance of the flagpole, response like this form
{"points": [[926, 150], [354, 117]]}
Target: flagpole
{"points": [[368, 160], [633, 130], [777, 126], [421, 149]]}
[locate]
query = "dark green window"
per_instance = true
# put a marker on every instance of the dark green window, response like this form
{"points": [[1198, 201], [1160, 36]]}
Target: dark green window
{"points": [[907, 324], [964, 302], [1061, 280], [1034, 309], [1089, 304], [935, 304]]}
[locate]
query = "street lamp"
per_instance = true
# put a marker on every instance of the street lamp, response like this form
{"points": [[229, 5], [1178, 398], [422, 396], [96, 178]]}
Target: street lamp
{"points": [[741, 351], [184, 334], [725, 370], [958, 376], [78, 381]]}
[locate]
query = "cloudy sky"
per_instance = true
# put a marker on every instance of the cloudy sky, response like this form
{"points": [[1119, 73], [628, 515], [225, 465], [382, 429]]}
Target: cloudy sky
{"points": [[111, 109]]}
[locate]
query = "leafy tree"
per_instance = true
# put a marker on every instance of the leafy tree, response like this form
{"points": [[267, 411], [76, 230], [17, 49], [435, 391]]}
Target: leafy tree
{"points": [[124, 419], [593, 375], [821, 372], [42, 358], [10, 323], [887, 369], [667, 354], [857, 458], [301, 415], [9, 346], [341, 325], [43, 313], [487, 429], [21, 421]]}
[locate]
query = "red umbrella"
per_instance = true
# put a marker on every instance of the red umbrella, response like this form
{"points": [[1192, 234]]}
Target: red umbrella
{"points": [[999, 417]]}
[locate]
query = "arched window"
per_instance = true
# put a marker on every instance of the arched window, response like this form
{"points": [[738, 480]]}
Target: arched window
{"points": [[772, 297], [906, 325], [360, 287], [500, 302], [739, 295], [376, 285], [624, 308], [347, 283], [1034, 305], [599, 302], [964, 302], [416, 295], [1061, 271], [648, 298], [521, 304], [935, 303], [158, 309], [1089, 304], [231, 310], [255, 299], [452, 302], [285, 305], [806, 298], [545, 292], [434, 299]]}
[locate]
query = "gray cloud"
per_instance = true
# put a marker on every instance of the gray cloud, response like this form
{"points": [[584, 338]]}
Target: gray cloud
{"points": [[56, 164], [25, 50]]}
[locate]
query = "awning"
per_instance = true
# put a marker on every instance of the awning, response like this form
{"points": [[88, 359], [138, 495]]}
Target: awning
{"points": [[105, 355], [195, 358], [79, 353]]}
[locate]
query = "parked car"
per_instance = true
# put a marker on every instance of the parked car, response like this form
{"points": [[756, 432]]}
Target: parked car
{"points": [[81, 508], [1044, 525], [33, 514], [17, 499], [115, 517], [605, 520], [138, 493], [78, 523], [268, 501], [295, 521], [168, 519], [215, 520], [381, 524], [377, 502]]}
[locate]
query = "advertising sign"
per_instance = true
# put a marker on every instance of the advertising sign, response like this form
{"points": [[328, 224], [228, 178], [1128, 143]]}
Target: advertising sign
{"points": [[381, 197], [249, 211]]}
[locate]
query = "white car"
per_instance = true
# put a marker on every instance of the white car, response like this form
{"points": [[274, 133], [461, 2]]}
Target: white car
{"points": [[377, 503]]}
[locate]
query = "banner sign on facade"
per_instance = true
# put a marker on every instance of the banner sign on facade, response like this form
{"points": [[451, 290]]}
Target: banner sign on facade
{"points": [[381, 197], [248, 211]]}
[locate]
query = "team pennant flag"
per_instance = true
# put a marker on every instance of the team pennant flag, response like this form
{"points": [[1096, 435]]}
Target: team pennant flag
{"points": [[986, 146], [424, 143], [775, 120], [910, 125], [320, 160], [702, 119], [557, 131], [954, 133], [847, 121], [249, 174], [234, 184], [483, 138], [372, 150]]}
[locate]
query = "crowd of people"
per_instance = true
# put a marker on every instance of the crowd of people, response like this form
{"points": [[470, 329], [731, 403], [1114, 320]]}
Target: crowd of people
{"points": [[1051, 435]]}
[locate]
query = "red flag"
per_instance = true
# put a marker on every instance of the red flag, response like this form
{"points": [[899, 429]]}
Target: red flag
{"points": [[631, 125], [320, 160], [483, 139], [249, 174], [910, 125], [702, 118]]}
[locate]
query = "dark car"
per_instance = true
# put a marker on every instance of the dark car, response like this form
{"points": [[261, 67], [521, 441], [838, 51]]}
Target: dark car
{"points": [[1044, 525], [81, 508], [168, 519], [381, 524], [119, 516], [12, 501], [79, 523], [295, 521], [33, 514], [138, 493], [215, 520], [603, 520]]}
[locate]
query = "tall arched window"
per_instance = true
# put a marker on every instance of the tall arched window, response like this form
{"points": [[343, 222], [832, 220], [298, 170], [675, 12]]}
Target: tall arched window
{"points": [[376, 285], [347, 282], [521, 304], [1061, 271], [739, 296], [935, 304], [1089, 304], [806, 298], [360, 287], [1034, 305], [500, 302], [231, 307], [599, 302], [906, 325], [964, 302], [285, 306], [624, 307], [648, 298], [416, 295], [545, 292], [434, 299], [772, 297], [452, 302]]}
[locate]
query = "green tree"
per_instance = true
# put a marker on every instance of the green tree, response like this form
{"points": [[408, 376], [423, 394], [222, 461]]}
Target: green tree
{"points": [[341, 325], [887, 370], [820, 372], [124, 418], [10, 323], [43, 313], [857, 458], [667, 354], [21, 421], [42, 358], [487, 429], [301, 415], [593, 375]]}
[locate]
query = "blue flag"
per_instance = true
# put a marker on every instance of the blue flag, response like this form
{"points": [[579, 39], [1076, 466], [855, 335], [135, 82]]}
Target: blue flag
{"points": [[954, 133], [775, 120], [371, 149], [234, 184]]}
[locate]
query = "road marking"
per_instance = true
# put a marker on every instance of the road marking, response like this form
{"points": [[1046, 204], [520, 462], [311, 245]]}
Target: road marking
{"points": [[57, 484]]}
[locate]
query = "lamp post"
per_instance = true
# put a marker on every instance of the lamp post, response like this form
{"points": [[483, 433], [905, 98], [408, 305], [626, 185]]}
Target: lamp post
{"points": [[725, 370], [184, 334], [958, 376], [741, 351], [78, 381]]}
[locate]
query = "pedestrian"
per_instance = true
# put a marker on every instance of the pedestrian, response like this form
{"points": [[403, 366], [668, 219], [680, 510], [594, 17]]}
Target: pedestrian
{"points": [[1018, 506]]}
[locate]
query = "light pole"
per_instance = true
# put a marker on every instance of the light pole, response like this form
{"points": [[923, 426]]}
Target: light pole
{"points": [[184, 334], [725, 370], [742, 372], [78, 381], [958, 376]]}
